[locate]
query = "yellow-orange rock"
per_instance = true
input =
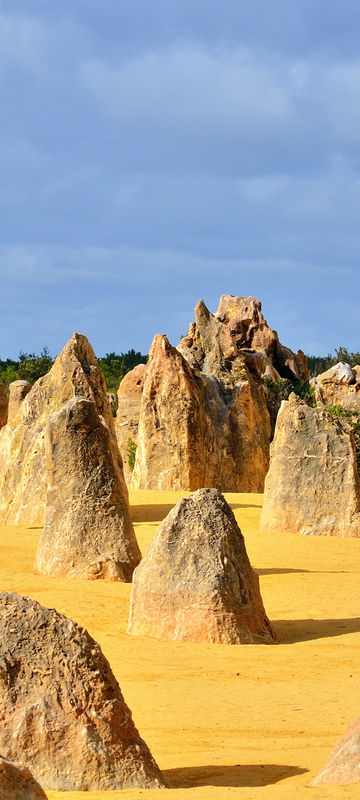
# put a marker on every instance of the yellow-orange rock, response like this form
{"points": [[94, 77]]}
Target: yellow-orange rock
{"points": [[61, 707], [4, 403], [339, 385], [17, 783], [22, 456], [88, 532], [195, 581], [343, 766], [128, 413], [312, 486], [17, 393]]}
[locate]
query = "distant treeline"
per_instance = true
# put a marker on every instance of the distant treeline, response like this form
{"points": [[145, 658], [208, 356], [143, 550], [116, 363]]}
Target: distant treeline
{"points": [[30, 367]]}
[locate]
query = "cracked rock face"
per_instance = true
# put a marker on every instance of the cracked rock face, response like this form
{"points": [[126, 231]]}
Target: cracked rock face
{"points": [[343, 765], [17, 783], [61, 707], [75, 373], [88, 532], [339, 385], [195, 581], [312, 486]]}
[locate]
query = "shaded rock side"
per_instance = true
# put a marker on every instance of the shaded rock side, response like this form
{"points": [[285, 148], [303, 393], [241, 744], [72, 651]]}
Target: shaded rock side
{"points": [[22, 455], [17, 783], [312, 486], [87, 530], [343, 765], [61, 707], [17, 393], [339, 385], [128, 413], [4, 403], [195, 581], [171, 426]]}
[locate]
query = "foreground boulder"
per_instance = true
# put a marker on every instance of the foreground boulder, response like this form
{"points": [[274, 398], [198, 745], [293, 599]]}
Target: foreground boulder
{"points": [[339, 385], [195, 582], [4, 403], [128, 413], [17, 393], [87, 529], [17, 783], [62, 710], [312, 486], [22, 455], [344, 763]]}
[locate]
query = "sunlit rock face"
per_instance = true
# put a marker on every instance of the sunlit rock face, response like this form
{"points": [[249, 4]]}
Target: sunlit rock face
{"points": [[343, 765], [61, 707], [312, 486], [17, 393], [339, 385], [195, 581], [128, 413], [22, 454]]}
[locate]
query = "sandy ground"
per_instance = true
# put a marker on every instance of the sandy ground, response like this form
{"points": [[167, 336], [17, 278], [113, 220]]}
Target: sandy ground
{"points": [[248, 721]]}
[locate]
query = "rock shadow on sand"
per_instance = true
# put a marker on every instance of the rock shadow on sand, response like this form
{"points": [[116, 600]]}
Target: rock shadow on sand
{"points": [[150, 513], [303, 630], [238, 775]]}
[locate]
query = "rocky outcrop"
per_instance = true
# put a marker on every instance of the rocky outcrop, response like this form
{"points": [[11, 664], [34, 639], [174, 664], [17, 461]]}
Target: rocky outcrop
{"points": [[312, 486], [75, 373], [87, 532], [195, 581], [17, 783], [128, 413], [344, 763], [339, 385], [62, 710], [4, 403], [17, 393]]}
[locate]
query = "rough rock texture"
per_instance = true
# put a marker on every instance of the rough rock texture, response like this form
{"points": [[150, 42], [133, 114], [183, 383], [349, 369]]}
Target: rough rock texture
{"points": [[312, 486], [343, 765], [22, 456], [4, 403], [195, 582], [17, 393], [128, 412], [339, 385], [17, 783], [87, 529], [62, 710]]}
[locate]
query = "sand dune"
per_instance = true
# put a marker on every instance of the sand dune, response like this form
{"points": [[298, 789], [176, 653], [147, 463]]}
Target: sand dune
{"points": [[247, 721]]}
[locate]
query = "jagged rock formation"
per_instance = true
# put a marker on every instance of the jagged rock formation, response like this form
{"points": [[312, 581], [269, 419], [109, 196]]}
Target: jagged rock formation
{"points": [[17, 393], [128, 413], [17, 783], [87, 530], [339, 385], [312, 486], [4, 403], [195, 581], [75, 373], [62, 710], [343, 765]]}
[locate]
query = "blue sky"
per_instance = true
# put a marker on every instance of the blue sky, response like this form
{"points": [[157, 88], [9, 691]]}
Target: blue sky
{"points": [[156, 153]]}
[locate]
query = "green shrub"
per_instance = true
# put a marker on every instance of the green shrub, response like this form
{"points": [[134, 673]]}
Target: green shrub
{"points": [[131, 453]]}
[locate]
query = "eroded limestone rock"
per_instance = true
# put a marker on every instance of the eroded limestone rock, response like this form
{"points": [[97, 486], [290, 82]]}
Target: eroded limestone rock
{"points": [[17, 783], [128, 413], [17, 393], [87, 530], [343, 765], [312, 486], [61, 707], [22, 456], [195, 581], [4, 403], [339, 385]]}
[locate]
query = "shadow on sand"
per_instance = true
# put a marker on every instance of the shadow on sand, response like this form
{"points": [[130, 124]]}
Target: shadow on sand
{"points": [[237, 775], [150, 513], [288, 570], [303, 630]]}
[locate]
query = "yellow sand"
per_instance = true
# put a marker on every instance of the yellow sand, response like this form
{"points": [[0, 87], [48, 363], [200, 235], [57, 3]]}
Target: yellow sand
{"points": [[248, 721]]}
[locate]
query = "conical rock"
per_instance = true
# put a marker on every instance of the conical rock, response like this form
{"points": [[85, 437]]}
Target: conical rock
{"points": [[343, 765], [17, 783]]}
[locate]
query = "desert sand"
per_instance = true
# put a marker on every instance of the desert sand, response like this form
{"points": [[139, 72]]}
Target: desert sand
{"points": [[247, 721]]}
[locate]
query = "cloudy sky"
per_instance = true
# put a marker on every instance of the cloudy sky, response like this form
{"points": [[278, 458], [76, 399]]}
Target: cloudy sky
{"points": [[156, 153]]}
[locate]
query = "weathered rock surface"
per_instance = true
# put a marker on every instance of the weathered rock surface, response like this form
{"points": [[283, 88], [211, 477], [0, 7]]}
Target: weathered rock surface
{"points": [[87, 530], [62, 710], [312, 486], [344, 763], [128, 413], [4, 403], [17, 393], [339, 385], [195, 581], [17, 783], [22, 456]]}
